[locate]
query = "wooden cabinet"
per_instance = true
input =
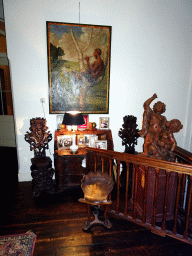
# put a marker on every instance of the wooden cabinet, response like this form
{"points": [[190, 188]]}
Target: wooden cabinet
{"points": [[68, 167]]}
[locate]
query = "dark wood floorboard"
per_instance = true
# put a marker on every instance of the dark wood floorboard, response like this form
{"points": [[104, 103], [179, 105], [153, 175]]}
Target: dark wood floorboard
{"points": [[57, 221]]}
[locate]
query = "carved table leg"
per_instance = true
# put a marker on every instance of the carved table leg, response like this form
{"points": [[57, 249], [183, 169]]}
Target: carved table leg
{"points": [[88, 224]]}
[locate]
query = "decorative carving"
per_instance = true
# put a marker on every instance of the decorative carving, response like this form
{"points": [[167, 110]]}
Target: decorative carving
{"points": [[42, 174], [157, 132], [39, 137], [129, 134]]}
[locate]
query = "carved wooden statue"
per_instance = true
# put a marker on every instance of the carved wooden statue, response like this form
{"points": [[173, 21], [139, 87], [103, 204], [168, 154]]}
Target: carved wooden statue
{"points": [[157, 132], [39, 137], [129, 134]]}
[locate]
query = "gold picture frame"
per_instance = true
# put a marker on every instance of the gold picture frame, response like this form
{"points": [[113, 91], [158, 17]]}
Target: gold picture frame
{"points": [[81, 140]]}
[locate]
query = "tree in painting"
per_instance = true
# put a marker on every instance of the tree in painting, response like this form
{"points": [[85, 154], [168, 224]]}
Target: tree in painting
{"points": [[55, 52]]}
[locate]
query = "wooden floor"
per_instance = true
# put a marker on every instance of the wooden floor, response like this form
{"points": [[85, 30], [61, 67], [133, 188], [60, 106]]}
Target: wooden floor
{"points": [[57, 221]]}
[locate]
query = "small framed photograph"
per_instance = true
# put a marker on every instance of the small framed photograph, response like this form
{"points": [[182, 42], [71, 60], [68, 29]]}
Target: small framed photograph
{"points": [[64, 142], [87, 138], [86, 125], [59, 120], [102, 144], [81, 141], [92, 139], [104, 123]]}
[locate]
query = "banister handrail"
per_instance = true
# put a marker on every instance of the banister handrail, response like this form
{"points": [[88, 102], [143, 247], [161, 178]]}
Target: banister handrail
{"points": [[155, 191], [183, 154], [141, 159]]}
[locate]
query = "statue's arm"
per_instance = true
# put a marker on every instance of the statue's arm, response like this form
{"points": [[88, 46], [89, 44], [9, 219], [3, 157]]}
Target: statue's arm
{"points": [[173, 142], [148, 102]]}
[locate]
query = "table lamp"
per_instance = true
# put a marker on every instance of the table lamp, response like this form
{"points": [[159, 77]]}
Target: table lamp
{"points": [[73, 119]]}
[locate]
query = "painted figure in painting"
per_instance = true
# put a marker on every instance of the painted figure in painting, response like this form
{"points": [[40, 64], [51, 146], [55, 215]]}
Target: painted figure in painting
{"points": [[157, 132], [93, 75], [96, 69]]}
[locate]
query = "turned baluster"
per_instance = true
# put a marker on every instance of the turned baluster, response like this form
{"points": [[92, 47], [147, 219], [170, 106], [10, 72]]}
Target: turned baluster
{"points": [[110, 171], [145, 195], [102, 162], [95, 163], [118, 186], [163, 227], [126, 191], [153, 219], [135, 169], [185, 235], [177, 203], [110, 166], [184, 178]]}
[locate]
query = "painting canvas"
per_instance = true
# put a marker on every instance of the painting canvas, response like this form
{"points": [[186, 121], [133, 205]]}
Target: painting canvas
{"points": [[78, 67]]}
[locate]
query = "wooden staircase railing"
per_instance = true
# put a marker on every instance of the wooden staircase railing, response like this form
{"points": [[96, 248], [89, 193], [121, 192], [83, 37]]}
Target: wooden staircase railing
{"points": [[156, 194]]}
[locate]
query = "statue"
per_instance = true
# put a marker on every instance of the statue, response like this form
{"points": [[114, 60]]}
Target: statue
{"points": [[39, 137], [129, 134], [157, 132]]}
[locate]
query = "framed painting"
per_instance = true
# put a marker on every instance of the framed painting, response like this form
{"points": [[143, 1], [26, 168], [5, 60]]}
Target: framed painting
{"points": [[78, 67]]}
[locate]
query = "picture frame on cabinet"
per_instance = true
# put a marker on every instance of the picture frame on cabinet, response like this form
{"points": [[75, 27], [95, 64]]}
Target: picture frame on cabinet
{"points": [[92, 139], [87, 139], [59, 120], [81, 140], [104, 123], [64, 142], [102, 144], [86, 125]]}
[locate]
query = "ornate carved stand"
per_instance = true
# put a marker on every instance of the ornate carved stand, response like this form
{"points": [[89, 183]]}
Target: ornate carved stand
{"points": [[41, 168], [42, 173], [129, 135], [88, 223]]}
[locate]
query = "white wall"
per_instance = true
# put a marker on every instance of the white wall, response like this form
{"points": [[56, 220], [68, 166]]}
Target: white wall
{"points": [[7, 135], [150, 53]]}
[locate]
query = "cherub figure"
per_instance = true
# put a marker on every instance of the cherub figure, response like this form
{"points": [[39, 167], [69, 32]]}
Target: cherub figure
{"points": [[151, 147], [153, 124], [149, 114], [157, 132], [167, 141]]}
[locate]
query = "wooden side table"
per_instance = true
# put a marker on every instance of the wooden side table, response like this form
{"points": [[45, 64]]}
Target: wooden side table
{"points": [[88, 223], [42, 173], [68, 167]]}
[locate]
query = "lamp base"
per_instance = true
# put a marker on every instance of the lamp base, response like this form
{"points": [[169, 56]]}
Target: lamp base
{"points": [[74, 149]]}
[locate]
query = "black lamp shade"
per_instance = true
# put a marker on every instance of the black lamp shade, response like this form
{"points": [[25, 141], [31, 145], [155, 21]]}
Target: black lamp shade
{"points": [[73, 119]]}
